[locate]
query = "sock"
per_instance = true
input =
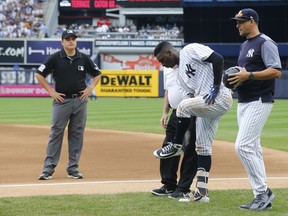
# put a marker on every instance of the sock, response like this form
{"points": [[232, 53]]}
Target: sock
{"points": [[204, 162], [181, 128]]}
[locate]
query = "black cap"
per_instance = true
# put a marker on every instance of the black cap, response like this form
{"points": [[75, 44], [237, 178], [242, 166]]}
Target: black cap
{"points": [[246, 14], [68, 33]]}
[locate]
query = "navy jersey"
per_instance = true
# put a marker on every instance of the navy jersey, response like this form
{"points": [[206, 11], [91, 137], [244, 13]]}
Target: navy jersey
{"points": [[257, 54], [69, 73]]}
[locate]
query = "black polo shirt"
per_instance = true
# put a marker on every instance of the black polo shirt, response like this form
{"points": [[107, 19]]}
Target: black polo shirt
{"points": [[69, 73]]}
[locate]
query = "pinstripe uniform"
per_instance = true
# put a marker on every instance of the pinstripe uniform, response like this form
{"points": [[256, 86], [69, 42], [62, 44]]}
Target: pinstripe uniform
{"points": [[255, 101], [259, 65], [196, 77], [199, 73]]}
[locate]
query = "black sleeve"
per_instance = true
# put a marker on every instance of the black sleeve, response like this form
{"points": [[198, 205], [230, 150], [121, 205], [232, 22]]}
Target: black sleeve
{"points": [[48, 65], [217, 61], [92, 69]]}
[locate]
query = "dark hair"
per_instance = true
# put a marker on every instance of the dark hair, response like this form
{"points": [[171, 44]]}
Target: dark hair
{"points": [[164, 45]]}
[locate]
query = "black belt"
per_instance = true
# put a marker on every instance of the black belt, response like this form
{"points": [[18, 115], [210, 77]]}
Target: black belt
{"points": [[72, 95]]}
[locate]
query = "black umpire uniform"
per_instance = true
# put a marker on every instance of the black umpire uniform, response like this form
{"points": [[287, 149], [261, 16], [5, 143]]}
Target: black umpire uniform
{"points": [[69, 104]]}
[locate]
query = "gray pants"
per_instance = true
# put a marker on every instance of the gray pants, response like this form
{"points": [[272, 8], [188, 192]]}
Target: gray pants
{"points": [[73, 111]]}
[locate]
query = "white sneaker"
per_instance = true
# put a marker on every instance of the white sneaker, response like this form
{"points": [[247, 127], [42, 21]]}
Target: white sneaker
{"points": [[198, 197], [186, 198], [170, 150]]}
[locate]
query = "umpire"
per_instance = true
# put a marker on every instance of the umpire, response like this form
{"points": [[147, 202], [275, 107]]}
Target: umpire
{"points": [[68, 68]]}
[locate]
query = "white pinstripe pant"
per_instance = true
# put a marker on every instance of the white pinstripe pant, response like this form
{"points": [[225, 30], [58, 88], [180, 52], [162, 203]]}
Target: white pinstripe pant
{"points": [[252, 117], [207, 120]]}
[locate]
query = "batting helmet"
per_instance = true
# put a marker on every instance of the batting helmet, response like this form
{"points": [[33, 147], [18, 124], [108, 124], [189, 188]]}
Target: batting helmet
{"points": [[231, 70]]}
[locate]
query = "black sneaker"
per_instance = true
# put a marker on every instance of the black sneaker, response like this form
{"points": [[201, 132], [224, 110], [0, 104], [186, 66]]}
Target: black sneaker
{"points": [[260, 202], [170, 150], [45, 176], [163, 191], [177, 194], [75, 175]]}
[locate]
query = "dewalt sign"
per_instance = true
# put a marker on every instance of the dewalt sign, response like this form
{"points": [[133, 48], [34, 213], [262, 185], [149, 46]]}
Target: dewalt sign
{"points": [[128, 83]]}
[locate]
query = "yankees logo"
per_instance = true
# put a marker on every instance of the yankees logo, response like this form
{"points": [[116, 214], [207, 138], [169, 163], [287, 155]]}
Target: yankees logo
{"points": [[189, 71], [250, 53]]}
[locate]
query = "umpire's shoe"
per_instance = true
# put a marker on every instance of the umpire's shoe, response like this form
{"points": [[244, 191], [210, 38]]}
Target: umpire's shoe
{"points": [[45, 176], [260, 202], [75, 175], [170, 150]]}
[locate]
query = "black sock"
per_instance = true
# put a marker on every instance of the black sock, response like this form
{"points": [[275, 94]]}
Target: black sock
{"points": [[181, 128], [204, 162]]}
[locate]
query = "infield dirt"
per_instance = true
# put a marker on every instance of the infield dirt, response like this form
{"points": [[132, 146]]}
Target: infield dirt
{"points": [[113, 162]]}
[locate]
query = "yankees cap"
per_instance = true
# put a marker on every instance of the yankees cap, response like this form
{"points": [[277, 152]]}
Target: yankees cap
{"points": [[68, 33], [246, 14]]}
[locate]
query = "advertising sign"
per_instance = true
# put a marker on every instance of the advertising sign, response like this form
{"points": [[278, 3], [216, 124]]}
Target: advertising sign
{"points": [[20, 77], [129, 62], [128, 83], [23, 91], [39, 50], [148, 3], [135, 43], [12, 52], [70, 5]]}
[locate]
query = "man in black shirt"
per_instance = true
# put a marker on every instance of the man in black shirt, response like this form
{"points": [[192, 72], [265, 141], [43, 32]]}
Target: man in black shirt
{"points": [[68, 68]]}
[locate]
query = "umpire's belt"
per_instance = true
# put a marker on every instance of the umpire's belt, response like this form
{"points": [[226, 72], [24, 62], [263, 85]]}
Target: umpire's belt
{"points": [[73, 95]]}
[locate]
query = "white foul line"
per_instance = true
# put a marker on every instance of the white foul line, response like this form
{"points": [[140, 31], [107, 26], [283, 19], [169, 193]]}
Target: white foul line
{"points": [[123, 181]]}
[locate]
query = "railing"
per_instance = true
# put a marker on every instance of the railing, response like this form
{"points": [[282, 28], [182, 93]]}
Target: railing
{"points": [[142, 34], [106, 35]]}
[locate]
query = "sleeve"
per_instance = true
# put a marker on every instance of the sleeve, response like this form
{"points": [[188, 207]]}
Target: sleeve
{"points": [[47, 67], [270, 55], [92, 69], [198, 51], [217, 62], [165, 74]]}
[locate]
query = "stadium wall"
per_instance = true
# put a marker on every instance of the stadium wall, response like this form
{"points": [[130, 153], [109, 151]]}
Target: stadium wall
{"points": [[128, 64]]}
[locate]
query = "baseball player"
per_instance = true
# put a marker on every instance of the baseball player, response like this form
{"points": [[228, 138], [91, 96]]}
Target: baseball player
{"points": [[169, 167], [259, 64], [199, 73], [69, 68]]}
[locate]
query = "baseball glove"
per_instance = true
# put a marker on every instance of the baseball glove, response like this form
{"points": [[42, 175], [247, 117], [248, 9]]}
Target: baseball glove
{"points": [[231, 70]]}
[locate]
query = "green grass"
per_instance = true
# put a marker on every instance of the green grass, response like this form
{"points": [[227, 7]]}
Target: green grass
{"points": [[140, 115], [222, 203]]}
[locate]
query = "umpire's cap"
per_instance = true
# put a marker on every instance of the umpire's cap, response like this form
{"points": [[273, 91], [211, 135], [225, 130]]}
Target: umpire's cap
{"points": [[246, 14], [68, 33]]}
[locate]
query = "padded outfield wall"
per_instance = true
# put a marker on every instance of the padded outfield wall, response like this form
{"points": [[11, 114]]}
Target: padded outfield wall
{"points": [[129, 67]]}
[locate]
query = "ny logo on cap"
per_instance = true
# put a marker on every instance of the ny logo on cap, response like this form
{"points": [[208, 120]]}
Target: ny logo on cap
{"points": [[70, 32], [239, 14]]}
